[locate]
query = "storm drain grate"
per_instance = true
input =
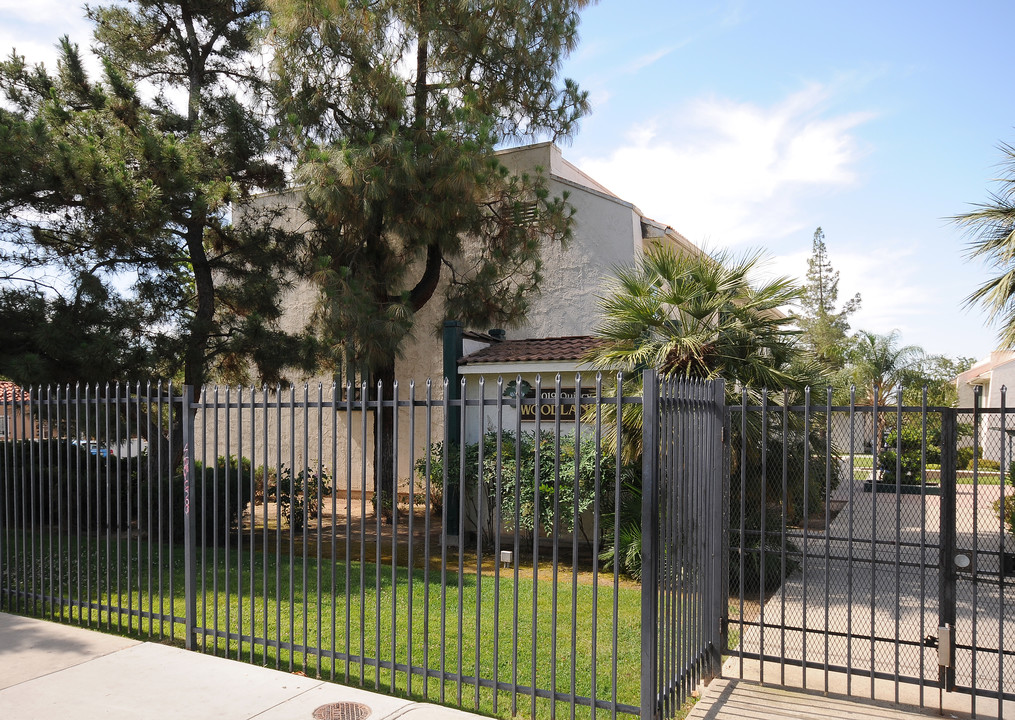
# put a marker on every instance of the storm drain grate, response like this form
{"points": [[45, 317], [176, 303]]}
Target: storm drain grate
{"points": [[342, 711]]}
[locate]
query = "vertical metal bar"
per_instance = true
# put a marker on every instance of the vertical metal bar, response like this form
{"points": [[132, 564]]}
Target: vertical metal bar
{"points": [[394, 526], [650, 532], [898, 532], [875, 449], [378, 512], [807, 498], [428, 511], [828, 519], [618, 414], [190, 591], [946, 551], [849, 541], [334, 519], [305, 488], [110, 444], [480, 503], [265, 475], [278, 528], [497, 523], [1003, 513], [536, 522], [975, 544], [556, 544], [252, 564], [782, 542], [596, 510], [410, 552], [223, 516], [55, 568], [763, 568], [517, 548], [923, 529], [319, 494], [214, 511], [362, 534], [290, 487], [743, 524], [461, 531], [164, 508], [574, 540], [86, 558], [444, 535], [109, 509], [203, 509], [236, 477], [34, 565]]}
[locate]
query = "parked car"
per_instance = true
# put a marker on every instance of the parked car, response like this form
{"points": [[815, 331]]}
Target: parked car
{"points": [[94, 447]]}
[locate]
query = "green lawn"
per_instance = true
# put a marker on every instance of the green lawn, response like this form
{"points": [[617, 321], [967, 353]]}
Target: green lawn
{"points": [[300, 608]]}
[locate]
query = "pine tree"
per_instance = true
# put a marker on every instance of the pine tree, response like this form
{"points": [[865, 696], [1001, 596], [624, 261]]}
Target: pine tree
{"points": [[824, 328], [125, 184], [394, 111]]}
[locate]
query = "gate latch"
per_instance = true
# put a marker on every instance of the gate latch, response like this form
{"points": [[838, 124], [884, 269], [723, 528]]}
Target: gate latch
{"points": [[946, 646]]}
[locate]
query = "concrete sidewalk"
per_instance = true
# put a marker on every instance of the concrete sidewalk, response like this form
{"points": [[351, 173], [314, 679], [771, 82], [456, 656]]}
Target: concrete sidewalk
{"points": [[48, 670]]}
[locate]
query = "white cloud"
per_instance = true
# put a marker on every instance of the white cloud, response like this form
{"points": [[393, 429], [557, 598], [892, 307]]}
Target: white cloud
{"points": [[733, 172], [35, 28]]}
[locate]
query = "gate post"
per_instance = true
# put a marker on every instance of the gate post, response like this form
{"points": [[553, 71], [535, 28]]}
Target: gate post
{"points": [[189, 545], [946, 552], [649, 544]]}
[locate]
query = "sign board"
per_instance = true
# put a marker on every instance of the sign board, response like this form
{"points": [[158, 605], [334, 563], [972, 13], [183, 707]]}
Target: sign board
{"points": [[547, 406]]}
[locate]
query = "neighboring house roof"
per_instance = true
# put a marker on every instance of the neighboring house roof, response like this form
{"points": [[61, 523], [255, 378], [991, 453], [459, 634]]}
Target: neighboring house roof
{"points": [[981, 372], [10, 392], [550, 349]]}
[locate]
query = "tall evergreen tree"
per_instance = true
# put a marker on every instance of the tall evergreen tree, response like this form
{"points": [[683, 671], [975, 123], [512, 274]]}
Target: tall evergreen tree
{"points": [[122, 187], [824, 328], [395, 108]]}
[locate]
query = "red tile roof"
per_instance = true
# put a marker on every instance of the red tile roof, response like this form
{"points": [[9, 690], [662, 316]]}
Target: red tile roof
{"points": [[11, 392], [533, 350]]}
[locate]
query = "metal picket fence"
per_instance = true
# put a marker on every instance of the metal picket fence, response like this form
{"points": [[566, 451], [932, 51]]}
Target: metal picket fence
{"points": [[241, 523]]}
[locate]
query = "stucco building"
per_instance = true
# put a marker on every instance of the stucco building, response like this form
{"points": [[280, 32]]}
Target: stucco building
{"points": [[609, 231]]}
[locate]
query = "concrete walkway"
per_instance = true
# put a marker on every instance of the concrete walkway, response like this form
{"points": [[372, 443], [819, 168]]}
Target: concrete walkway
{"points": [[874, 586], [48, 670], [741, 700]]}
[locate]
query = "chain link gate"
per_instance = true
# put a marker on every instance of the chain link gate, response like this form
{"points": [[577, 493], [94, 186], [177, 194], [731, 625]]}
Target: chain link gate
{"points": [[684, 497], [866, 559]]}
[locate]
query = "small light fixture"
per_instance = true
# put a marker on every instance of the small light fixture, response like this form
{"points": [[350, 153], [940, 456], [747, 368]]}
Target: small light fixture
{"points": [[517, 389]]}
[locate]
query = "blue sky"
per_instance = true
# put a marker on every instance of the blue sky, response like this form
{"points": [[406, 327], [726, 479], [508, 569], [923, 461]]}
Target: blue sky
{"points": [[748, 124]]}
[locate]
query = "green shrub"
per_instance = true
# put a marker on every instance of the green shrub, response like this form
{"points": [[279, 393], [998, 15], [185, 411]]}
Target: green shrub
{"points": [[1009, 511], [985, 464], [299, 497], [60, 481], [220, 494], [910, 443], [964, 456], [513, 470]]}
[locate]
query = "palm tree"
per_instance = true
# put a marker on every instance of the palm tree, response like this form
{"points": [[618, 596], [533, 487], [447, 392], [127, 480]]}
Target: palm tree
{"points": [[702, 316], [991, 226], [699, 316], [878, 364]]}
